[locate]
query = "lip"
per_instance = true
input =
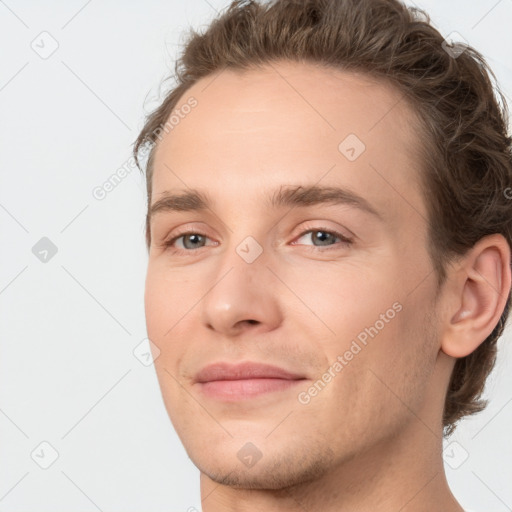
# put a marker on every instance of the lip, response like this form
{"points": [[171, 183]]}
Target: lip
{"points": [[233, 382], [241, 371]]}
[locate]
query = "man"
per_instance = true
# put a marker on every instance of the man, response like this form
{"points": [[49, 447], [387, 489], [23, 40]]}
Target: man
{"points": [[329, 254]]}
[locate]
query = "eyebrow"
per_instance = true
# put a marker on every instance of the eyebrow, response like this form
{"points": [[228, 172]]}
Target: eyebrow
{"points": [[291, 196]]}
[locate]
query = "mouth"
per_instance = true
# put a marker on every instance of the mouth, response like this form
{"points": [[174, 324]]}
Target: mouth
{"points": [[228, 382]]}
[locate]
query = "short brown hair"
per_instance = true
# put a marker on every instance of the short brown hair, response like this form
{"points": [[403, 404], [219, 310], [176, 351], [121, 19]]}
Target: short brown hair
{"points": [[465, 146]]}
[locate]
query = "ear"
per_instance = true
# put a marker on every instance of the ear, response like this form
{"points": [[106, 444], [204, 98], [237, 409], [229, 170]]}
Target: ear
{"points": [[477, 293]]}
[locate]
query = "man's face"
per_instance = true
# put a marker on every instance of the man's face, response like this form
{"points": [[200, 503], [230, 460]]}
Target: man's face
{"points": [[275, 284]]}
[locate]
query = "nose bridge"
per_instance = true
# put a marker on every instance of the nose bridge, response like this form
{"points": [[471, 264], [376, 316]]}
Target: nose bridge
{"points": [[246, 240]]}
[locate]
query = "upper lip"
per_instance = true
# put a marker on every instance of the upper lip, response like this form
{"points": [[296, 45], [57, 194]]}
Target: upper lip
{"points": [[246, 370]]}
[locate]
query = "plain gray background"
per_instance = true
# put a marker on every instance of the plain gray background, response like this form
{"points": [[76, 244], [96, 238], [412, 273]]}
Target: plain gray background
{"points": [[69, 377]]}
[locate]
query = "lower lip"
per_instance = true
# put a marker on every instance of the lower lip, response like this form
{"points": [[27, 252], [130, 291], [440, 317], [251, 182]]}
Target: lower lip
{"points": [[245, 388]]}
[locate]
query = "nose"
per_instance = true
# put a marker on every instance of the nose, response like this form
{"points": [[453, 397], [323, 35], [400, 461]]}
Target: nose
{"points": [[241, 298]]}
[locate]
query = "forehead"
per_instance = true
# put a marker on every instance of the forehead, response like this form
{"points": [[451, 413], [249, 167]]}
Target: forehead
{"points": [[290, 123]]}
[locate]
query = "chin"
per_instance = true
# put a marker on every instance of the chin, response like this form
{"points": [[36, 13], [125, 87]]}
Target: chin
{"points": [[282, 471]]}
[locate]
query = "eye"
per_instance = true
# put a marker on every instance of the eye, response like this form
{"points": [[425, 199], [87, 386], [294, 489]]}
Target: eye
{"points": [[324, 236], [193, 240], [193, 237]]}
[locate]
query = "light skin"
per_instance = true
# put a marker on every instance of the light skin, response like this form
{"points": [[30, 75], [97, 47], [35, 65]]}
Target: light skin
{"points": [[371, 439]]}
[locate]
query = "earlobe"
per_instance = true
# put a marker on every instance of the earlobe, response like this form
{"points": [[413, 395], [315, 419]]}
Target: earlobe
{"points": [[479, 291]]}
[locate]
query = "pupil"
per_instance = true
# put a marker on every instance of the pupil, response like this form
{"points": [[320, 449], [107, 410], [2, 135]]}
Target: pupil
{"points": [[320, 237], [191, 237]]}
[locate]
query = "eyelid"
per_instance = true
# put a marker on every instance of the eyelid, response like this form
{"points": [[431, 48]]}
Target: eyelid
{"points": [[181, 231]]}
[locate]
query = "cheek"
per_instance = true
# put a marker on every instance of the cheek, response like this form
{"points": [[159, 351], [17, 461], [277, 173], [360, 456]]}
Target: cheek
{"points": [[171, 303], [162, 311], [166, 299], [340, 303], [370, 323], [381, 382], [163, 303], [154, 304]]}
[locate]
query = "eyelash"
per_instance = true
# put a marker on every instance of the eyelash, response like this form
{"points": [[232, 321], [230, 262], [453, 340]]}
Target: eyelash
{"points": [[345, 242]]}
